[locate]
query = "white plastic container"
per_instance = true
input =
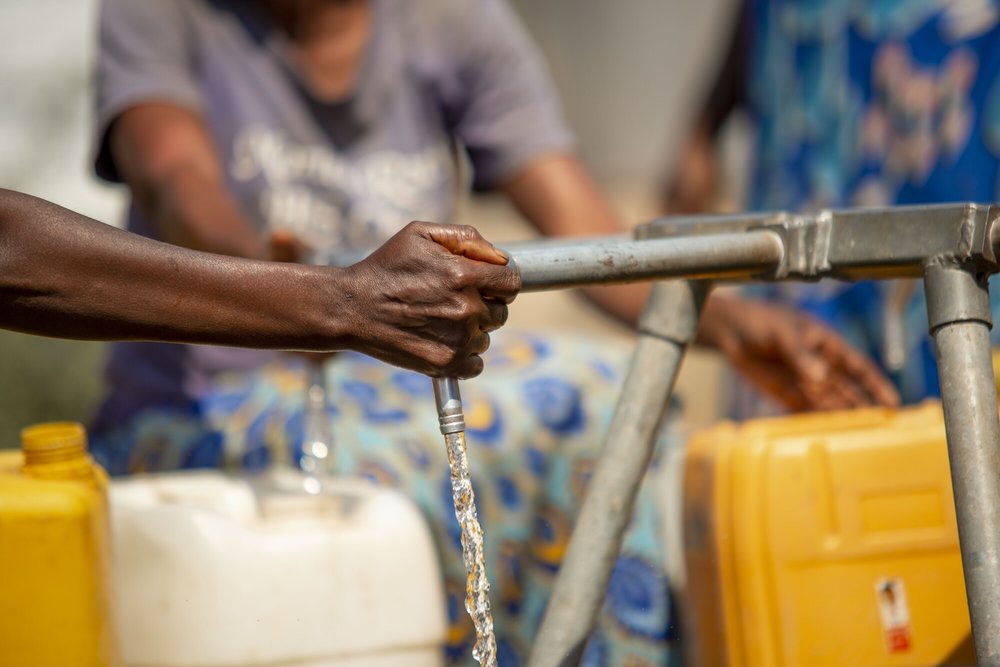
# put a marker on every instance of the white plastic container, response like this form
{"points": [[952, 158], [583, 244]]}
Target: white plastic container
{"points": [[217, 571]]}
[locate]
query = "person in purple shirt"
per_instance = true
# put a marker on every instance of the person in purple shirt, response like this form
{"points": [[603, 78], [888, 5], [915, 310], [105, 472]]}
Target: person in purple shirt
{"points": [[329, 124]]}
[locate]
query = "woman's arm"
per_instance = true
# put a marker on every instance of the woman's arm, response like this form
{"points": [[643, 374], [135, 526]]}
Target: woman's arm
{"points": [[694, 181], [425, 300], [165, 155]]}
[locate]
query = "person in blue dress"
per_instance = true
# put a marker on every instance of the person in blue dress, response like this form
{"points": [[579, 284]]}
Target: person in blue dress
{"points": [[858, 104]]}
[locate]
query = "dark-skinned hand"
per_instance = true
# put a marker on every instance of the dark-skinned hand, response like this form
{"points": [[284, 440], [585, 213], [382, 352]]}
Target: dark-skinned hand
{"points": [[429, 297], [794, 358]]}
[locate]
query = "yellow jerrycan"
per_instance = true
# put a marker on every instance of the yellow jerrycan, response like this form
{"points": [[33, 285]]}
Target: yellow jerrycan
{"points": [[55, 599], [824, 540]]}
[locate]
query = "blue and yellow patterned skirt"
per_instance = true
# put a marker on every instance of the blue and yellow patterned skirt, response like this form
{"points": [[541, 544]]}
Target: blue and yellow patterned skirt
{"points": [[536, 419]]}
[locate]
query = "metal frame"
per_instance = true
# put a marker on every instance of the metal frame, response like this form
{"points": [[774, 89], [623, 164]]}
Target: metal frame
{"points": [[953, 248]]}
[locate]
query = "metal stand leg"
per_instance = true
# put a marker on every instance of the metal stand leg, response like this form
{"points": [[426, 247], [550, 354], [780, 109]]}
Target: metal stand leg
{"points": [[667, 326], [958, 309]]}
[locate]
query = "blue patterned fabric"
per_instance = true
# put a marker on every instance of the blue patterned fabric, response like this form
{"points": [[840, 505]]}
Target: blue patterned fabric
{"points": [[874, 103], [535, 421]]}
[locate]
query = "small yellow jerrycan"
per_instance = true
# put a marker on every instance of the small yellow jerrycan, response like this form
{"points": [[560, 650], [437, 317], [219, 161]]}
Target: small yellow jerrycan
{"points": [[55, 596]]}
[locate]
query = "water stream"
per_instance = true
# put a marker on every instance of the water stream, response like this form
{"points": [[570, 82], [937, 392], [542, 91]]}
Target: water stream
{"points": [[477, 586]]}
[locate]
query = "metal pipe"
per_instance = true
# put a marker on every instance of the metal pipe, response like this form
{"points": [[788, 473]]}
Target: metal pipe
{"points": [[667, 326], [605, 262], [958, 310], [448, 399]]}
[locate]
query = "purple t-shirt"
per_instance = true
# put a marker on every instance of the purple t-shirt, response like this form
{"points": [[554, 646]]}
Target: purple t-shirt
{"points": [[342, 175]]}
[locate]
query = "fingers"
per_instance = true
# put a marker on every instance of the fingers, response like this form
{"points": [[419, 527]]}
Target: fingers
{"points": [[472, 367], [844, 393], [464, 241], [498, 283], [497, 315], [812, 367], [858, 370], [776, 382], [793, 349], [480, 343], [488, 268], [835, 375], [869, 376], [468, 363]]}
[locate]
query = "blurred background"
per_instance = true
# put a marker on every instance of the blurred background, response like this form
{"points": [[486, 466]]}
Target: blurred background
{"points": [[628, 80]]}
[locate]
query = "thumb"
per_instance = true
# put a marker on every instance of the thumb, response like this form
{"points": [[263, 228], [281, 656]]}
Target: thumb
{"points": [[465, 241]]}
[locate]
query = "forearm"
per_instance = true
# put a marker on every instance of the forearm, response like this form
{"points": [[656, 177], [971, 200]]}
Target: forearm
{"points": [[693, 183], [198, 212], [167, 157], [719, 321], [65, 275], [728, 90]]}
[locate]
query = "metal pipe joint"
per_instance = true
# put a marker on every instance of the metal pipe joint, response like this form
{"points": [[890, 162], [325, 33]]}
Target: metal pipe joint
{"points": [[955, 293]]}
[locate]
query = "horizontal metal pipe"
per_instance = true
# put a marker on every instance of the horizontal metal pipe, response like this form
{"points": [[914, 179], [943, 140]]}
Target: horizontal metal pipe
{"points": [[606, 262]]}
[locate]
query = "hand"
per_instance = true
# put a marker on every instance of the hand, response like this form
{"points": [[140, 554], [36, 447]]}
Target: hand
{"points": [[799, 361], [428, 298]]}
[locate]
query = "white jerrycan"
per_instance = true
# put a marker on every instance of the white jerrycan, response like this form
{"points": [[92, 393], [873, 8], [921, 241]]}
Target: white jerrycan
{"points": [[219, 571]]}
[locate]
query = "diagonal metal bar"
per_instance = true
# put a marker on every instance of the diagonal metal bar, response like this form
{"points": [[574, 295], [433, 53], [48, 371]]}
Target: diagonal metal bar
{"points": [[667, 327]]}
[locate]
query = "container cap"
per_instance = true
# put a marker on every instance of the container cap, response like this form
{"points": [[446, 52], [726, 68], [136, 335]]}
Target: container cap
{"points": [[53, 442]]}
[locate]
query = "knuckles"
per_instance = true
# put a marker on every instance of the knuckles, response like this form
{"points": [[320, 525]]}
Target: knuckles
{"points": [[469, 309], [458, 275], [467, 232], [415, 227], [457, 355], [443, 357]]}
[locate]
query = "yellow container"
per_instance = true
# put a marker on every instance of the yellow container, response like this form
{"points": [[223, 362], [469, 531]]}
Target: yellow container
{"points": [[824, 540], [55, 605]]}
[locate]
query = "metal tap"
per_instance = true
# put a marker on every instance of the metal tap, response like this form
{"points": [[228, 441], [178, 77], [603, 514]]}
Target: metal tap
{"points": [[451, 418]]}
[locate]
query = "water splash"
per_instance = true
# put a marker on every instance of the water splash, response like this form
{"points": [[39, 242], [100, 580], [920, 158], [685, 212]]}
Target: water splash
{"points": [[477, 586]]}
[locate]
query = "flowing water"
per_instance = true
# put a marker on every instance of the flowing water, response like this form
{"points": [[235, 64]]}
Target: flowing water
{"points": [[477, 586], [317, 444]]}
